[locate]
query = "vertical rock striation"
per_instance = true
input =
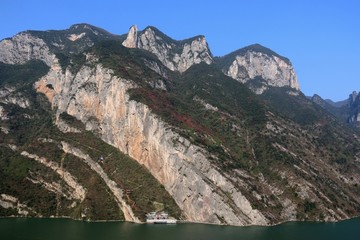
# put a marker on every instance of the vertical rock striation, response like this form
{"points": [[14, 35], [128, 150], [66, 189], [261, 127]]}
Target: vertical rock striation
{"points": [[131, 39], [354, 108], [200, 190]]}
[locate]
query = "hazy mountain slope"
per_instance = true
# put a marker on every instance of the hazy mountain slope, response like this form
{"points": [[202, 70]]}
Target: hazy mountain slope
{"points": [[346, 111]]}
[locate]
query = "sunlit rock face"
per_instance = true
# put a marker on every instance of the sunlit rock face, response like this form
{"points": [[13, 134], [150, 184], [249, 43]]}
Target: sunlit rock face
{"points": [[100, 100], [24, 47], [205, 190], [176, 55], [131, 39], [257, 62]]}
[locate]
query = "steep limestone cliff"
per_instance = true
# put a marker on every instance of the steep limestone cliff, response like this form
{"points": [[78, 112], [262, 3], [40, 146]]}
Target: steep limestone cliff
{"points": [[354, 107], [223, 155], [176, 55], [201, 191], [131, 39], [255, 62]]}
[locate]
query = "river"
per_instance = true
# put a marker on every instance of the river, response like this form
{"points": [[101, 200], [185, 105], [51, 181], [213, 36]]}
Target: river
{"points": [[65, 229]]}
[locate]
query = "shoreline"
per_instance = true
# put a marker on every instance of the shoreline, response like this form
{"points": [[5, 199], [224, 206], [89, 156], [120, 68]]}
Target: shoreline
{"points": [[178, 221]]}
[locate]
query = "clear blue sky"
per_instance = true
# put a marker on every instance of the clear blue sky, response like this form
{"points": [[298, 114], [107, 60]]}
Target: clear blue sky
{"points": [[321, 38]]}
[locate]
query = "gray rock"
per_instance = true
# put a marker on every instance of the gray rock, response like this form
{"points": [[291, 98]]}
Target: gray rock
{"points": [[176, 55], [257, 62], [24, 47], [197, 186]]}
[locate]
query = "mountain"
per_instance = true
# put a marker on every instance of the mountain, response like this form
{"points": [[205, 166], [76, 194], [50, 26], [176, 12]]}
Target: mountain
{"points": [[176, 55], [354, 107], [337, 109], [50, 45], [260, 67], [347, 111], [114, 127], [337, 104]]}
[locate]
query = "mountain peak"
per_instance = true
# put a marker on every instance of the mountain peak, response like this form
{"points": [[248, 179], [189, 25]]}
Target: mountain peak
{"points": [[175, 55], [131, 39], [85, 27], [82, 26], [256, 61], [200, 143], [260, 48]]}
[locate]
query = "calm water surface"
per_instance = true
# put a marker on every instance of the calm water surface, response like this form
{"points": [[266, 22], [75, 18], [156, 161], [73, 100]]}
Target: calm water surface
{"points": [[64, 229]]}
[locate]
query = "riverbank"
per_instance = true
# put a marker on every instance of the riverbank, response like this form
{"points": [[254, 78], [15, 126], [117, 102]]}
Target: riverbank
{"points": [[178, 221], [56, 229]]}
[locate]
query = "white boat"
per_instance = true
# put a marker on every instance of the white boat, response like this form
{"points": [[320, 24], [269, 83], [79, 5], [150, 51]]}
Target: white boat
{"points": [[159, 218]]}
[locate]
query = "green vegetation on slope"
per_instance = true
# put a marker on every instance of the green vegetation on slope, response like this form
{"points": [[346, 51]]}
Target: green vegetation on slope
{"points": [[31, 129], [223, 131], [20, 74], [272, 146]]}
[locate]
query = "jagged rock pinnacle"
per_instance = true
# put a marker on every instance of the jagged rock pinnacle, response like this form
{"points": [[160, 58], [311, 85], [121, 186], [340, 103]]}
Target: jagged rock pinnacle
{"points": [[131, 39]]}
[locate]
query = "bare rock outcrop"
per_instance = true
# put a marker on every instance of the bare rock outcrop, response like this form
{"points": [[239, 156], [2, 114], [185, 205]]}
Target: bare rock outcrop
{"points": [[258, 62], [354, 106], [175, 55], [199, 189], [8, 201], [131, 39], [24, 47]]}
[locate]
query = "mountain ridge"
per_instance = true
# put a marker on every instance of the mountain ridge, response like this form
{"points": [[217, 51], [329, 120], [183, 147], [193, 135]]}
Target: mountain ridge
{"points": [[212, 150], [260, 67], [253, 47], [346, 110], [177, 55]]}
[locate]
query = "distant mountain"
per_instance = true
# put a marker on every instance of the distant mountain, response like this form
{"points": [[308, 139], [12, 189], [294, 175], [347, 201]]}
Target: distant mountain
{"points": [[331, 107], [354, 109], [346, 110], [98, 126], [337, 104]]}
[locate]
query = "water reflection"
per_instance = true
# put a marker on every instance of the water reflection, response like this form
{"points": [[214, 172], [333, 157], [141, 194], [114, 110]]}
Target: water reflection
{"points": [[39, 229]]}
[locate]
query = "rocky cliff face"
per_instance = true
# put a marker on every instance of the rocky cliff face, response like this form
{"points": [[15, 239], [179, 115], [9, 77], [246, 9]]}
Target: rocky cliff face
{"points": [[223, 155], [257, 62], [200, 190], [46, 45], [24, 47], [132, 38], [354, 107], [176, 55]]}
